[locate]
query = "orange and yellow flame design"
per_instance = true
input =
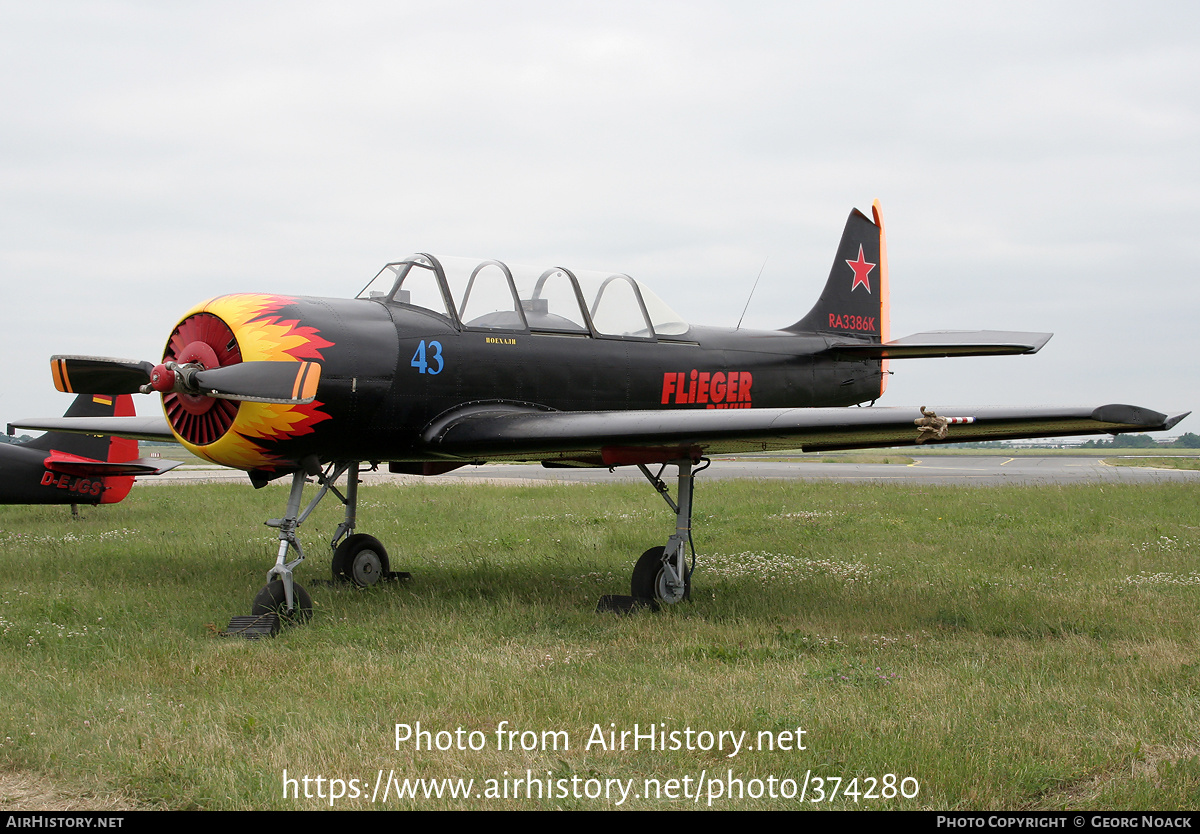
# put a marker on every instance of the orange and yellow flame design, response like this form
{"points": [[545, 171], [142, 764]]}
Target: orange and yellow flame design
{"points": [[262, 335]]}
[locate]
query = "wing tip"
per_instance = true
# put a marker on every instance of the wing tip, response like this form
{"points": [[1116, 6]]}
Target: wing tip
{"points": [[1171, 421], [1133, 415]]}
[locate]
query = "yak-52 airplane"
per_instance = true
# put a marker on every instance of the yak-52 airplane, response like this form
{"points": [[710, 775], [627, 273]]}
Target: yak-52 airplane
{"points": [[439, 363], [72, 469]]}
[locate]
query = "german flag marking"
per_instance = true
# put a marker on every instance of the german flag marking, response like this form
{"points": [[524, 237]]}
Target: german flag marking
{"points": [[101, 399]]}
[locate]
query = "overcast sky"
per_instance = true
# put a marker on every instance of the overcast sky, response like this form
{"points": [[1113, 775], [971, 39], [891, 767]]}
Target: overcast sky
{"points": [[1037, 165]]}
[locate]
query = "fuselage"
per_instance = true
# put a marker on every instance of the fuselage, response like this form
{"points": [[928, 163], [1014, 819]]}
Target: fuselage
{"points": [[26, 479], [706, 368]]}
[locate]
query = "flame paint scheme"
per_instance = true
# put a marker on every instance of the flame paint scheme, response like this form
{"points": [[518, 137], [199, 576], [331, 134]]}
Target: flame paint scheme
{"points": [[439, 363]]}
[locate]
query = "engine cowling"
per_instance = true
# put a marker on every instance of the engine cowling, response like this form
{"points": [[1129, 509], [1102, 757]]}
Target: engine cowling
{"points": [[252, 327]]}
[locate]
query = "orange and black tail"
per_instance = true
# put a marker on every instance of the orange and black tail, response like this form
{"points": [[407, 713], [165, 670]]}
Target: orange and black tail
{"points": [[855, 299]]}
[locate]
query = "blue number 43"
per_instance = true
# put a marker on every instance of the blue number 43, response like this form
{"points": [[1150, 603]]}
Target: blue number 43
{"points": [[434, 364]]}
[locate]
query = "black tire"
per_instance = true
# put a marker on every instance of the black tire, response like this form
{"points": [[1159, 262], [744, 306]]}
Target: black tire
{"points": [[647, 580], [361, 560], [272, 599]]}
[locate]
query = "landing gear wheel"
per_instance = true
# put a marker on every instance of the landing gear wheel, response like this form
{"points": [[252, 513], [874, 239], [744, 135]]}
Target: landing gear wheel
{"points": [[650, 579], [272, 600], [360, 559]]}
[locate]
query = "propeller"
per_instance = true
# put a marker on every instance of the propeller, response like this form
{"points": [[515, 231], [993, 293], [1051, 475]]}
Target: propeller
{"points": [[262, 382]]}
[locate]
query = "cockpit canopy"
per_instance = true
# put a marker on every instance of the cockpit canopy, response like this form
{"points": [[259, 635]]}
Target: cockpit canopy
{"points": [[491, 295]]}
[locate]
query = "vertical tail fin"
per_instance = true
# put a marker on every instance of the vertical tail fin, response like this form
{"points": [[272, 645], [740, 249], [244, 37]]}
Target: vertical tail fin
{"points": [[855, 299], [87, 446]]}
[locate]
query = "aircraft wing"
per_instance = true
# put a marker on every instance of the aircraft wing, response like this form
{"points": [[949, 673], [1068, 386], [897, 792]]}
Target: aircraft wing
{"points": [[138, 428], [625, 437]]}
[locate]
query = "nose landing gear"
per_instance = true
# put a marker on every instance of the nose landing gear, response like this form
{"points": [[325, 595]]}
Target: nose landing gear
{"points": [[357, 558]]}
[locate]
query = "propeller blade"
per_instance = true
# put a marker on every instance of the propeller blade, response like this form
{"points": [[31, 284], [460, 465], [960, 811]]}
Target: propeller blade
{"points": [[262, 382], [99, 374]]}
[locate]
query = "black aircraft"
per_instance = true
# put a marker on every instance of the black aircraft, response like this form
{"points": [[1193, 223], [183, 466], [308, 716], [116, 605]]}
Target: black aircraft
{"points": [[73, 469], [438, 363]]}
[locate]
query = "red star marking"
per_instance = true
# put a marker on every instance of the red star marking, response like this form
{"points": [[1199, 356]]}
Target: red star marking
{"points": [[861, 270]]}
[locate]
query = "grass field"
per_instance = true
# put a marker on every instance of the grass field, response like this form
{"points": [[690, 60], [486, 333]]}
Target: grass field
{"points": [[999, 648]]}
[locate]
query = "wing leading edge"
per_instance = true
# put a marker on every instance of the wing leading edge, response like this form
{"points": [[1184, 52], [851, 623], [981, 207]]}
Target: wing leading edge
{"points": [[612, 438]]}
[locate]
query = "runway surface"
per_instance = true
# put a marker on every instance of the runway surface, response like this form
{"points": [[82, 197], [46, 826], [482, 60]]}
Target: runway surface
{"points": [[984, 470]]}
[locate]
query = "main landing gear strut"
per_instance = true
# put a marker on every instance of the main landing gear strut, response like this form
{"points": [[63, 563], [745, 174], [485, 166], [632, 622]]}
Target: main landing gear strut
{"points": [[357, 558], [662, 576]]}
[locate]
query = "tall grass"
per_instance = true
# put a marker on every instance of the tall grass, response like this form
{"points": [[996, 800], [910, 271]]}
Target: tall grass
{"points": [[1022, 647]]}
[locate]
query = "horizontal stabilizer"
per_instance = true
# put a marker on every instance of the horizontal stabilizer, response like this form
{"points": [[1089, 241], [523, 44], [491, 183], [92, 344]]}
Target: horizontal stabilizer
{"points": [[938, 343], [138, 428], [71, 465], [614, 437]]}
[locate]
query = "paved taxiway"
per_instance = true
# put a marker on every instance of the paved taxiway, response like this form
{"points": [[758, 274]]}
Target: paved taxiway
{"points": [[985, 470]]}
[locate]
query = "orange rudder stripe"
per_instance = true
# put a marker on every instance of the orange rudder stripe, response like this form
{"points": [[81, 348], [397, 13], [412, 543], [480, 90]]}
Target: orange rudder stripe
{"points": [[885, 317]]}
